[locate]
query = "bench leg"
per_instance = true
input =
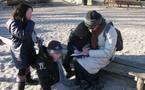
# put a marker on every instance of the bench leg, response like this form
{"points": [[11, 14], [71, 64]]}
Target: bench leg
{"points": [[127, 5], [141, 6], [140, 84]]}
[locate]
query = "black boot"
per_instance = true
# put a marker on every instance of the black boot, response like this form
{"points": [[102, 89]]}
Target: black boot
{"points": [[21, 85], [30, 81]]}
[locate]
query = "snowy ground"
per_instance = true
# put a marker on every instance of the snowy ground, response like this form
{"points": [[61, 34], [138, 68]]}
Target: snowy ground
{"points": [[55, 22]]}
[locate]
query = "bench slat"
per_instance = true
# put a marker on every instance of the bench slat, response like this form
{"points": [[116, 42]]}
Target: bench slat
{"points": [[121, 69], [131, 60]]}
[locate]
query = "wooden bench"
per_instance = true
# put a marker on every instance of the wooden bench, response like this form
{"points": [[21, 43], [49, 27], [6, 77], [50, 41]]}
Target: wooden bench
{"points": [[128, 66], [123, 64], [123, 2], [140, 78], [128, 2]]}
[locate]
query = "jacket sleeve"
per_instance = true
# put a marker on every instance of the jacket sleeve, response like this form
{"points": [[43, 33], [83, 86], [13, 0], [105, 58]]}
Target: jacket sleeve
{"points": [[23, 34], [110, 45], [70, 46]]}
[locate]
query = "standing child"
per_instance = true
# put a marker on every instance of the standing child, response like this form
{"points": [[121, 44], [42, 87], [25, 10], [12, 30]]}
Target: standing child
{"points": [[21, 28], [101, 51]]}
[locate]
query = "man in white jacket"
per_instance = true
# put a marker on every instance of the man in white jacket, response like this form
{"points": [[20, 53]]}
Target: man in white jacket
{"points": [[102, 48]]}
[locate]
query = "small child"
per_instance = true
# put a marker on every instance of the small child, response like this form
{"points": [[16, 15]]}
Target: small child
{"points": [[48, 64]]}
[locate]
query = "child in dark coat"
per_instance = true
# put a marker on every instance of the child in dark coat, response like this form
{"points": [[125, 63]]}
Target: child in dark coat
{"points": [[48, 64]]}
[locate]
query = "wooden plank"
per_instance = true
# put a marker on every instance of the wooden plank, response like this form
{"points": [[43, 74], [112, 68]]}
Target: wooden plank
{"points": [[111, 80], [121, 69], [136, 74], [128, 2], [137, 61]]}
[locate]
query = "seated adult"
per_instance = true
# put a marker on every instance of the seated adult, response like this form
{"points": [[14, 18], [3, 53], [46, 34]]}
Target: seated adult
{"points": [[102, 48], [79, 38]]}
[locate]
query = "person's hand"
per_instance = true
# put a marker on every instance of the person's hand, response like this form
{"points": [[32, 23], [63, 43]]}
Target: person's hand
{"points": [[85, 51]]}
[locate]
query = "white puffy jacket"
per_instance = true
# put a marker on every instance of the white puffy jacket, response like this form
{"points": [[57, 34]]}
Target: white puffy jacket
{"points": [[100, 58]]}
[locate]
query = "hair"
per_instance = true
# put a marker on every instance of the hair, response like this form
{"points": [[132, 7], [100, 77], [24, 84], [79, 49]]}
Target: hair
{"points": [[93, 17], [20, 12], [53, 44]]}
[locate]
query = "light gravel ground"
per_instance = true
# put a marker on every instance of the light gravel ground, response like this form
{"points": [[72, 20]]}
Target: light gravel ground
{"points": [[55, 22]]}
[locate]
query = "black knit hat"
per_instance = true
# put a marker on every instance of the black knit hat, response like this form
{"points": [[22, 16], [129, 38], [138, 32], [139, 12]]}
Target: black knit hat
{"points": [[93, 18], [54, 46]]}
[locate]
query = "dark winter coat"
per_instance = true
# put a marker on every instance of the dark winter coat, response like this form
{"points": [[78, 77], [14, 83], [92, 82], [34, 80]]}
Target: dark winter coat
{"points": [[78, 38], [22, 49], [48, 71]]}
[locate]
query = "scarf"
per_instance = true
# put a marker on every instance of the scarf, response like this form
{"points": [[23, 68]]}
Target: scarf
{"points": [[95, 34]]}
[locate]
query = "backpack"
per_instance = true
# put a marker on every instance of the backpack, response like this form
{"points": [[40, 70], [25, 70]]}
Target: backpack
{"points": [[119, 43]]}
